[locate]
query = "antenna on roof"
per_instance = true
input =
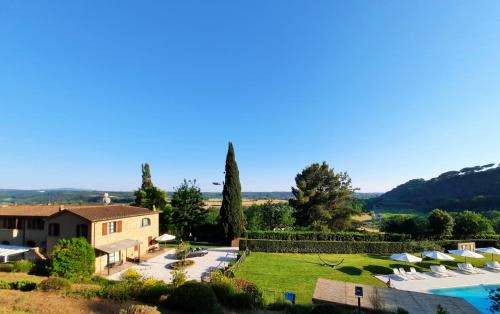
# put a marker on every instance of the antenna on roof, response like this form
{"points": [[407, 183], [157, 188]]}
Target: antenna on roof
{"points": [[106, 200]]}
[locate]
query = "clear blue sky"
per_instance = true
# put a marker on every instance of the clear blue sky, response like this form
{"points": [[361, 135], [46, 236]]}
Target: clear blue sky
{"points": [[385, 90]]}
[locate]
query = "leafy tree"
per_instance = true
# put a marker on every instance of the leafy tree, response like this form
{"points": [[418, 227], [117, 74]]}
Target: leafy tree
{"points": [[231, 211], [269, 216], [469, 224], [320, 198], [415, 226], [440, 223], [187, 207], [73, 259]]}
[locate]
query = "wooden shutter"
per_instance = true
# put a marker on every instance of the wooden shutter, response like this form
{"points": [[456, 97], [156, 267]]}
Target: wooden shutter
{"points": [[104, 228], [119, 226]]}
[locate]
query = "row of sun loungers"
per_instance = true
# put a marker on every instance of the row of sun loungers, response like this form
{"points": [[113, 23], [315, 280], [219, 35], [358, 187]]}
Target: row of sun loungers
{"points": [[442, 271], [401, 274]]}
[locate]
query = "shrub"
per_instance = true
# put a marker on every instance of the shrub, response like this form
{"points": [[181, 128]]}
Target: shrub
{"points": [[73, 259], [152, 290], [400, 310], [121, 291], [131, 275], [41, 268], [224, 288], [181, 264], [86, 291], [140, 309], [328, 236], [7, 268], [284, 307], [235, 292], [337, 247], [54, 284], [249, 289], [4, 284], [23, 285], [193, 297], [101, 281], [182, 250], [178, 278], [325, 309], [23, 266]]}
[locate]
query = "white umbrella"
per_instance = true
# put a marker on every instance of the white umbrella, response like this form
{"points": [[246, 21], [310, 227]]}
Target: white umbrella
{"points": [[165, 237], [466, 253], [405, 257], [438, 255], [490, 250]]}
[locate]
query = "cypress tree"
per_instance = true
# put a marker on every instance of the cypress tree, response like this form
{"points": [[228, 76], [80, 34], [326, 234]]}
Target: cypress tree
{"points": [[146, 177], [231, 211]]}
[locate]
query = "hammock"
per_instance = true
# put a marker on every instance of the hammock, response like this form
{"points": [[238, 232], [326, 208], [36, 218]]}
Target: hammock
{"points": [[331, 264]]}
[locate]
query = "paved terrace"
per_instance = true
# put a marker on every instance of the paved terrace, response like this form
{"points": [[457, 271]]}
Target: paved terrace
{"points": [[339, 292], [431, 282]]}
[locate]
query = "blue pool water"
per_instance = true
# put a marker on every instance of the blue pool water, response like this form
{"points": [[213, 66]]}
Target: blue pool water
{"points": [[475, 295]]}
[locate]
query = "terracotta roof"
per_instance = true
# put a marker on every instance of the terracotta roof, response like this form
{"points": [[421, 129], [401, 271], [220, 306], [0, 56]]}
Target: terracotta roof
{"points": [[90, 212], [96, 213], [29, 210]]}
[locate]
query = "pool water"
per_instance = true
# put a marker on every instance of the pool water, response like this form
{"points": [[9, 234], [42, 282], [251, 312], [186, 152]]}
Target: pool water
{"points": [[475, 295]]}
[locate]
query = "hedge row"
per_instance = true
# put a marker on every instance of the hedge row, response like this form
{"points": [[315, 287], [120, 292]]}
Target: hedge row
{"points": [[350, 247], [319, 236]]}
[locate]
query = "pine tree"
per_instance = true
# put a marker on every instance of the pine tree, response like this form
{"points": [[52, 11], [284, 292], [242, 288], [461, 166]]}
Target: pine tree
{"points": [[231, 211]]}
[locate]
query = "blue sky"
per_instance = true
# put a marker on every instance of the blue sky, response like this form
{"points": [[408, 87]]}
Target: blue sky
{"points": [[385, 90]]}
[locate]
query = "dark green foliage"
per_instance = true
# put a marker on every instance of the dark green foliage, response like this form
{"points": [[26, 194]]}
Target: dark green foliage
{"points": [[23, 285], [152, 290], [7, 267], [121, 291], [231, 211], [269, 216], [441, 310], [101, 281], [41, 268], [146, 177], [440, 224], [325, 309], [73, 259], [400, 310], [415, 226], [469, 224], [337, 247], [187, 208], [23, 266], [476, 188], [139, 309], [149, 196], [330, 236], [54, 284], [235, 292], [193, 297], [321, 198]]}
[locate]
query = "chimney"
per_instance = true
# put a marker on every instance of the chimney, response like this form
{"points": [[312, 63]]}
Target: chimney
{"points": [[61, 208], [154, 208]]}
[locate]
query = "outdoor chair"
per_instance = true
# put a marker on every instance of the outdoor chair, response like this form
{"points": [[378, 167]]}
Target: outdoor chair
{"points": [[438, 271], [415, 273], [467, 268], [407, 274], [493, 265], [398, 275]]}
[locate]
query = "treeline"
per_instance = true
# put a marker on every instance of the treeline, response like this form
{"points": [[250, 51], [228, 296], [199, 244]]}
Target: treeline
{"points": [[472, 188]]}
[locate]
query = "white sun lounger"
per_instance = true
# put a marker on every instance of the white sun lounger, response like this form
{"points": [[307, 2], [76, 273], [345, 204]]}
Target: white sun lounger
{"points": [[468, 268], [493, 265], [397, 274], [440, 271], [415, 273]]}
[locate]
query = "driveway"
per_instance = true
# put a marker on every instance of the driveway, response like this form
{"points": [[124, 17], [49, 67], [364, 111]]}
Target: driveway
{"points": [[157, 267]]}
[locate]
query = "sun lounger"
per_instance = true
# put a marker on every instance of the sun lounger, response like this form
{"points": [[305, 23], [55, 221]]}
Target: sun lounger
{"points": [[468, 268], [398, 275], [415, 273], [407, 274], [438, 271], [446, 271], [493, 265]]}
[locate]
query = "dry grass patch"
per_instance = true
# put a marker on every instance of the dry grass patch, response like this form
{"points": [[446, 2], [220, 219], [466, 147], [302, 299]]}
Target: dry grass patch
{"points": [[20, 276]]}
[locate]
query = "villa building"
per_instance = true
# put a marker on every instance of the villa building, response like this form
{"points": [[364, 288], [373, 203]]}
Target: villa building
{"points": [[117, 232]]}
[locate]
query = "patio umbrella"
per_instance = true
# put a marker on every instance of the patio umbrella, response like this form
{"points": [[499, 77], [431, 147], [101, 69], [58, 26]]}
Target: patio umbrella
{"points": [[165, 237], [490, 250], [438, 255], [466, 253], [405, 257]]}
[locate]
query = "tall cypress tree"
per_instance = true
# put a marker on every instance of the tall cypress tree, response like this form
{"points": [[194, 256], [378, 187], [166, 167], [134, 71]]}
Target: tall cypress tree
{"points": [[146, 177], [231, 211]]}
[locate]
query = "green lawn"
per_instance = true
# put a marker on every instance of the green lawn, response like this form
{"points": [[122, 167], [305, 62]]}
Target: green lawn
{"points": [[299, 272]]}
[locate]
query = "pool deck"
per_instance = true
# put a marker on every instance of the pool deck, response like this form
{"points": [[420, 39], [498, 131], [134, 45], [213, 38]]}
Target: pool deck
{"points": [[431, 282], [340, 292]]}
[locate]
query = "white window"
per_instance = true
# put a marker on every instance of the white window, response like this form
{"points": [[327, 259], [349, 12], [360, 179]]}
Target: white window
{"points": [[114, 257], [145, 222], [111, 227]]}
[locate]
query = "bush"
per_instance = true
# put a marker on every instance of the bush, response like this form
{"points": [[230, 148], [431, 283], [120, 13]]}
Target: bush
{"points": [[41, 268], [131, 275], [181, 264], [121, 291], [337, 247], [284, 307], [182, 250], [325, 309], [223, 287], [54, 284], [235, 292], [86, 291], [193, 297], [4, 284], [73, 259], [23, 285], [152, 290], [178, 278], [101, 281], [140, 309], [7, 268], [23, 266], [328, 236]]}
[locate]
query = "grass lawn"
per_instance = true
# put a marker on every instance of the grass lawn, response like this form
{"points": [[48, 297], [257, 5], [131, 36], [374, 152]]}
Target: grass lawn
{"points": [[20, 276], [277, 272]]}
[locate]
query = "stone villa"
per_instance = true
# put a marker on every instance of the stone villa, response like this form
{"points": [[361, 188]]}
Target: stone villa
{"points": [[117, 232]]}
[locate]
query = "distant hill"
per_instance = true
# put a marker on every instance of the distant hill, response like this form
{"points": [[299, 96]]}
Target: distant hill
{"points": [[74, 196], [476, 188]]}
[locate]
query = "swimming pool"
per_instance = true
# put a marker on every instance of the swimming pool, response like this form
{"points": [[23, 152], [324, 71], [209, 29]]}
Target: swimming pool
{"points": [[475, 295]]}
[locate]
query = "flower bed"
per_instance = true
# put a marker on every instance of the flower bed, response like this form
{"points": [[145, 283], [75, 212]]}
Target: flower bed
{"points": [[181, 264]]}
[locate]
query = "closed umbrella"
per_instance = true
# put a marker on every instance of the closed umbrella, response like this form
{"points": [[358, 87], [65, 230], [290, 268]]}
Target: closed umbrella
{"points": [[438, 255], [466, 253], [405, 257], [490, 250], [165, 237]]}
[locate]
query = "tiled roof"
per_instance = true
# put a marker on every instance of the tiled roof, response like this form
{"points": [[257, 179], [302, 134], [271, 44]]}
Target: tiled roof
{"points": [[90, 212]]}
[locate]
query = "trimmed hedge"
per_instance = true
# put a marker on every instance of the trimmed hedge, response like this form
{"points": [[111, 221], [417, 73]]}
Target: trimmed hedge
{"points": [[351, 247], [321, 236]]}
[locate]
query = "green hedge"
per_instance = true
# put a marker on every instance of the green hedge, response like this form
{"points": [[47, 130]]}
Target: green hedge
{"points": [[320, 236], [352, 247]]}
